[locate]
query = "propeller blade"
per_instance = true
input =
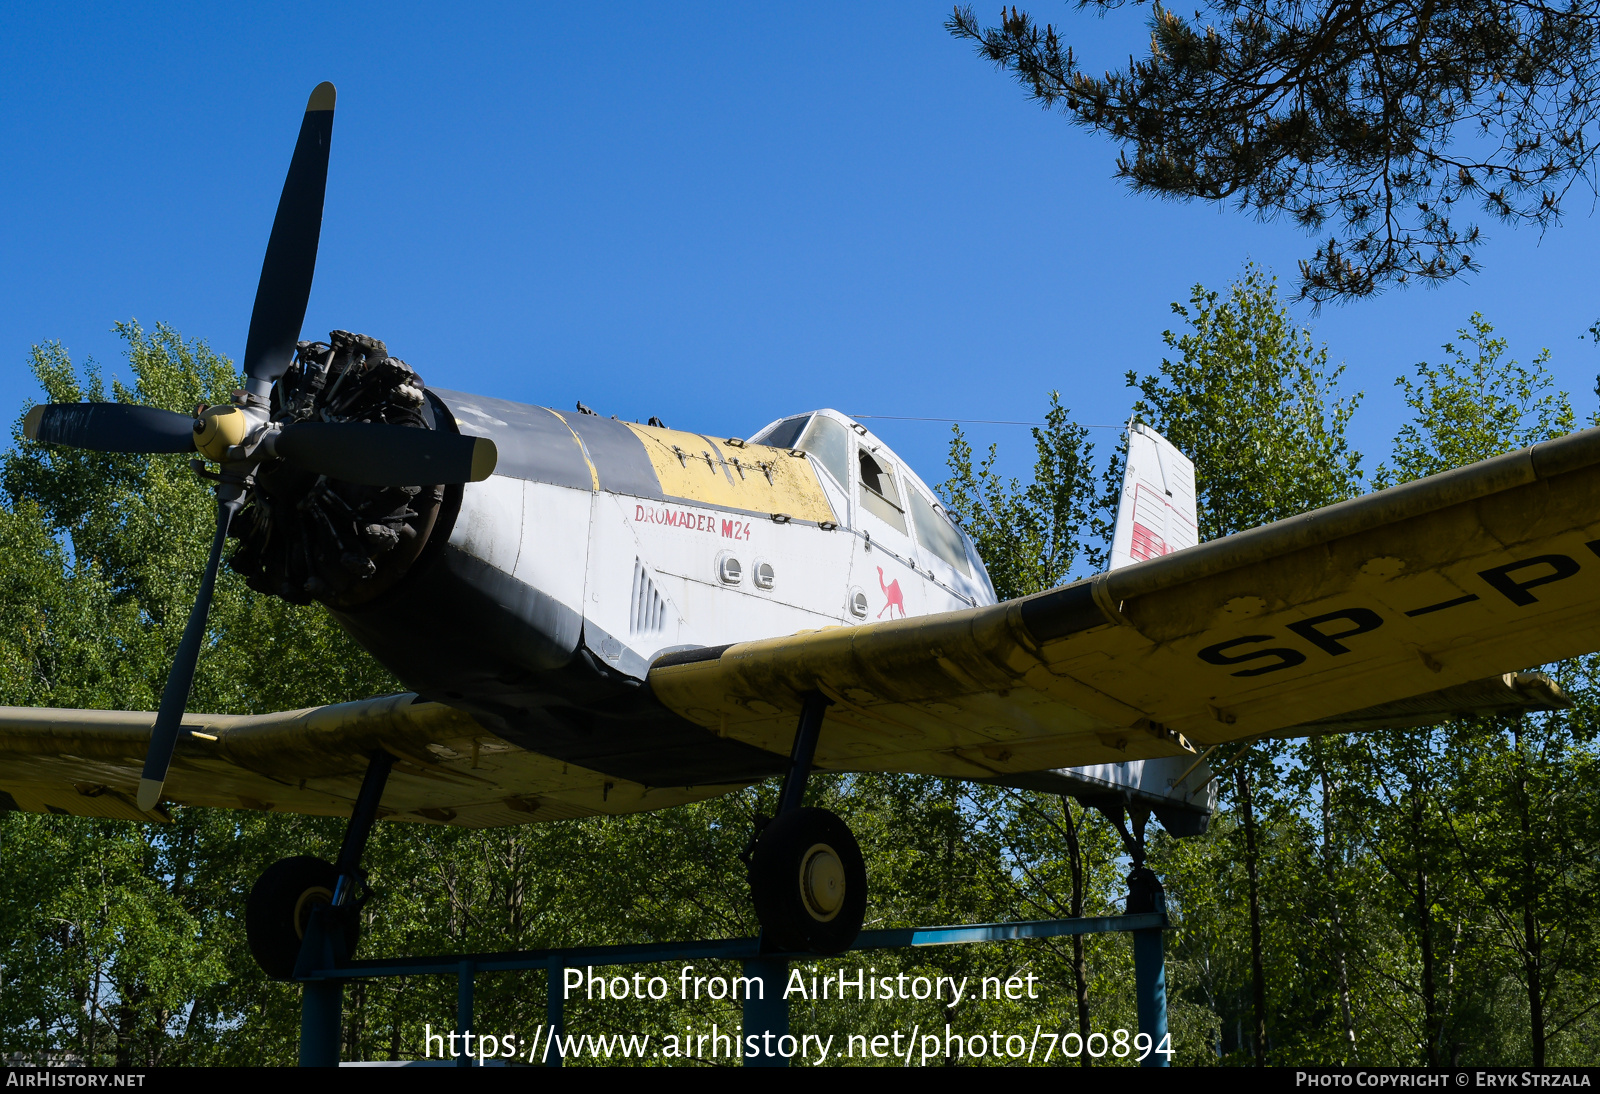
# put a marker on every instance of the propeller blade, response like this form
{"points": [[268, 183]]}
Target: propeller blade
{"points": [[291, 258], [110, 427], [176, 694], [385, 455]]}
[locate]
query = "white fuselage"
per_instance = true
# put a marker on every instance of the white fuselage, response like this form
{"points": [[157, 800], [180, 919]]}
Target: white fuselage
{"points": [[653, 575]]}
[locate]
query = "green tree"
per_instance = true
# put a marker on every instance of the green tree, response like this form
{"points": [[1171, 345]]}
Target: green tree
{"points": [[127, 936], [1474, 405], [1030, 537], [1250, 398], [1494, 801]]}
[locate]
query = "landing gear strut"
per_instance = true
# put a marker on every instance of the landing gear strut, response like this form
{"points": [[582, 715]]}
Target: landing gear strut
{"points": [[284, 899], [1144, 888], [1145, 895], [807, 877]]}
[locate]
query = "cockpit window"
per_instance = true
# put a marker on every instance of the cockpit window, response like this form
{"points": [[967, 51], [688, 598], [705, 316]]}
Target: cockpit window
{"points": [[937, 534], [785, 433], [829, 442], [878, 494]]}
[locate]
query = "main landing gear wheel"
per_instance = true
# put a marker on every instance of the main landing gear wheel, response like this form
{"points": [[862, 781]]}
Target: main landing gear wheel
{"points": [[809, 882], [278, 911]]}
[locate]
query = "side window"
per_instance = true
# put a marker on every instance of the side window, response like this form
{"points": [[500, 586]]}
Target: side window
{"points": [[935, 532], [829, 442], [878, 494]]}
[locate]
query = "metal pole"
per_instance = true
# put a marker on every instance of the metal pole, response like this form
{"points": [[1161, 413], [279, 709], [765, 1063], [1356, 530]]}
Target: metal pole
{"points": [[464, 1010], [766, 1012], [1149, 960], [555, 1008], [321, 1004], [1150, 989], [321, 999]]}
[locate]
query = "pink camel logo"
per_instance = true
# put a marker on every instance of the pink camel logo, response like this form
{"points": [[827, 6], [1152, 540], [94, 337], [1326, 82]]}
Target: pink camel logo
{"points": [[892, 591]]}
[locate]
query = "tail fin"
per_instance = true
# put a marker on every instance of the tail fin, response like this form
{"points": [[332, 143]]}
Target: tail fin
{"points": [[1158, 513]]}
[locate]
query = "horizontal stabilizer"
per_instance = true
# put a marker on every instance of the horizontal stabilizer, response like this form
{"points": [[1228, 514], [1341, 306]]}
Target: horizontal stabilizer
{"points": [[1180, 790]]}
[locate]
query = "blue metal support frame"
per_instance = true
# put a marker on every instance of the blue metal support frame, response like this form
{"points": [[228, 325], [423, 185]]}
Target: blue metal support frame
{"points": [[321, 1023], [324, 979], [767, 1013], [1149, 961], [1150, 991], [322, 1004]]}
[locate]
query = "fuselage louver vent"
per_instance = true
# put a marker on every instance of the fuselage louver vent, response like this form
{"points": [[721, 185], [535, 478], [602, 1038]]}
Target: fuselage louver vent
{"points": [[649, 610]]}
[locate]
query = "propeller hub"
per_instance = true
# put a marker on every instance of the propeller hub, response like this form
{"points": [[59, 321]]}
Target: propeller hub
{"points": [[220, 428]]}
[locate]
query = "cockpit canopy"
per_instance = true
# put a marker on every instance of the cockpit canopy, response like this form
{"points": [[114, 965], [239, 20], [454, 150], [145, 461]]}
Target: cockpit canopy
{"points": [[866, 471]]}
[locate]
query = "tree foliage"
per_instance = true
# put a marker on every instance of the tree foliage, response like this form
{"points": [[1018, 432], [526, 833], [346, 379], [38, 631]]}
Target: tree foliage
{"points": [[1473, 406], [1418, 893], [1252, 401], [1030, 537], [1384, 125], [125, 939]]}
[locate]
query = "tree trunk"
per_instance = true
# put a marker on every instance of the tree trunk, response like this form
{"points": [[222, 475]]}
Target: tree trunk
{"points": [[93, 1008], [356, 1019], [1338, 925], [952, 816], [1425, 933], [126, 1026], [1533, 954], [1080, 972], [1258, 986]]}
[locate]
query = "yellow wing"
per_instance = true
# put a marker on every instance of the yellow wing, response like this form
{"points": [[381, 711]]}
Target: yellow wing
{"points": [[1396, 608], [448, 769]]}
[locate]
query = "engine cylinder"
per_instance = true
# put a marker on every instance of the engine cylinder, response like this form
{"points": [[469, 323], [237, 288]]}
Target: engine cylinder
{"points": [[306, 537]]}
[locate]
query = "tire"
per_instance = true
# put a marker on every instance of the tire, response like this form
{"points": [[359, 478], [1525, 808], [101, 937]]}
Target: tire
{"points": [[278, 911], [809, 883]]}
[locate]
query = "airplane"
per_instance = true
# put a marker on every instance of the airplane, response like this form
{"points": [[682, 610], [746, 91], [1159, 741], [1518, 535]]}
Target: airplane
{"points": [[601, 617]]}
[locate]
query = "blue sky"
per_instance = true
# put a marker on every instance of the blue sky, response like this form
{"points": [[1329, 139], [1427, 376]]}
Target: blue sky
{"points": [[715, 213]]}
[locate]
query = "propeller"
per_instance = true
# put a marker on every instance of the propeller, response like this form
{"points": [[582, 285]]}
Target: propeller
{"points": [[175, 696], [370, 453], [384, 455], [239, 436], [110, 427], [291, 259]]}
